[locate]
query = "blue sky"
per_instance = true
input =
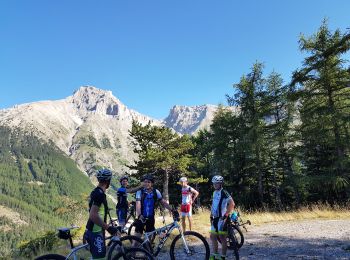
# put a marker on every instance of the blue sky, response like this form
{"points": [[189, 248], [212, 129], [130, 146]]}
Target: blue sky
{"points": [[151, 54]]}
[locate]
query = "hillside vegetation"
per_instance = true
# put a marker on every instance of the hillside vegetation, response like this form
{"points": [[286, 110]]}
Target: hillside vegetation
{"points": [[40, 189]]}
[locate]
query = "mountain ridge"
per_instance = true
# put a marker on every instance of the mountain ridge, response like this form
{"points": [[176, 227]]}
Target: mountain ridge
{"points": [[92, 125]]}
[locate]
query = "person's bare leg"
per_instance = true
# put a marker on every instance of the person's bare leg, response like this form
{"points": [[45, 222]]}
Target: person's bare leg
{"points": [[214, 243], [183, 221], [190, 222], [223, 244]]}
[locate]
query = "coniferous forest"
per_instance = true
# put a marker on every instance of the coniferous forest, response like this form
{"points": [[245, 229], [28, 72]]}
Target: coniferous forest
{"points": [[279, 145], [41, 184]]}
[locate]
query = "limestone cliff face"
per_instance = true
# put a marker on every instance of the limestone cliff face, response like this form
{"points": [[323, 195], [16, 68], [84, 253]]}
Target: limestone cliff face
{"points": [[92, 126]]}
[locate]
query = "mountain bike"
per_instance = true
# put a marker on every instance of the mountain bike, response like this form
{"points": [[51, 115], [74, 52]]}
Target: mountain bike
{"points": [[132, 227], [235, 235], [186, 245], [129, 253]]}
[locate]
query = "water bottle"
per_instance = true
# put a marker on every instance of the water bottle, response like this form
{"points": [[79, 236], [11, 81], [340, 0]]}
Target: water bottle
{"points": [[234, 216]]}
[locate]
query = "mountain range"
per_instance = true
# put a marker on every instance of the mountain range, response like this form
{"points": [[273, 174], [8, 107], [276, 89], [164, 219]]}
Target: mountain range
{"points": [[92, 126]]}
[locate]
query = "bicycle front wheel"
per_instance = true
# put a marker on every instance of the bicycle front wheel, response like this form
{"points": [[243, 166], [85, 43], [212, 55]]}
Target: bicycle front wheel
{"points": [[128, 242], [191, 244], [133, 253], [51, 257], [235, 236]]}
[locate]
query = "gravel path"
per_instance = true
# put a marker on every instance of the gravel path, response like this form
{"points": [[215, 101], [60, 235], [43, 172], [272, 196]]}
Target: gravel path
{"points": [[309, 239]]}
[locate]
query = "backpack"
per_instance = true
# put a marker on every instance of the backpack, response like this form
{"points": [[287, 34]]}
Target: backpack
{"points": [[152, 205]]}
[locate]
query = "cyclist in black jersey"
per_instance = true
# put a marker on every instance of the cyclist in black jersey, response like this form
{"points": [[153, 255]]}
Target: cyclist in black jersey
{"points": [[122, 195], [98, 210]]}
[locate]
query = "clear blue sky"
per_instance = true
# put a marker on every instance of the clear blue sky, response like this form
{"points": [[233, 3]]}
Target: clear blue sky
{"points": [[151, 54]]}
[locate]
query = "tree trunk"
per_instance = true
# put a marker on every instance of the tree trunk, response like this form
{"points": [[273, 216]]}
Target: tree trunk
{"points": [[166, 186]]}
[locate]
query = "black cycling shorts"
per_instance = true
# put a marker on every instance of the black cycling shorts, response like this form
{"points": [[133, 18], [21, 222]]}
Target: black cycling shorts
{"points": [[96, 242], [140, 226]]}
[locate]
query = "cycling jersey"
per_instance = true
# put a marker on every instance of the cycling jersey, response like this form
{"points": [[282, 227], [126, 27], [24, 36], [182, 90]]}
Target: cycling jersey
{"points": [[186, 195], [221, 199], [98, 198], [122, 198], [148, 200]]}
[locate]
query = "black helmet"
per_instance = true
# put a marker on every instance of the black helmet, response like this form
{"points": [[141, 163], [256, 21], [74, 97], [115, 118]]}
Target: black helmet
{"points": [[124, 178], [148, 177], [104, 175]]}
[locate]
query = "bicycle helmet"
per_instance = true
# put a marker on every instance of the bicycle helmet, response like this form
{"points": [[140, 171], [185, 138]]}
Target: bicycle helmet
{"points": [[183, 179], [217, 179], [148, 177], [124, 178], [104, 175]]}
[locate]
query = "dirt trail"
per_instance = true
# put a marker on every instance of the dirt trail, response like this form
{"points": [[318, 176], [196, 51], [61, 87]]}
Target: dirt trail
{"points": [[309, 239]]}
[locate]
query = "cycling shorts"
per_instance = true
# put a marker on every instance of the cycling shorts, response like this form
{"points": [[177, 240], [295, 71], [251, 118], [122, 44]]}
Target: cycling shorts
{"points": [[218, 226], [122, 214], [140, 226], [186, 210], [96, 243]]}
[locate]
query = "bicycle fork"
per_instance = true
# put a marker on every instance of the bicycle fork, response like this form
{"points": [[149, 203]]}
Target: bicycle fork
{"points": [[187, 250]]}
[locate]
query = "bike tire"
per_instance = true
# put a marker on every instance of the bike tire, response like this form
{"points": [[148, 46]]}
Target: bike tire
{"points": [[127, 242], [131, 254], [236, 235], [187, 235], [239, 236], [51, 257]]}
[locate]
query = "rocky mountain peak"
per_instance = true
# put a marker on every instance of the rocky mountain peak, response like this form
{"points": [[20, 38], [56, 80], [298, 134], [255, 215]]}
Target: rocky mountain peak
{"points": [[189, 119], [89, 99]]}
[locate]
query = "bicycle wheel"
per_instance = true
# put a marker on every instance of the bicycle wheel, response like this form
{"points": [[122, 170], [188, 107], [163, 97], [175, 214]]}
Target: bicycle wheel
{"points": [[196, 243], [133, 253], [51, 257], [234, 238], [128, 242]]}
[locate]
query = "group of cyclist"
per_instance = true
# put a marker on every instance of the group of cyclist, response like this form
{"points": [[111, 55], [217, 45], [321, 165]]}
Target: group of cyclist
{"points": [[146, 199]]}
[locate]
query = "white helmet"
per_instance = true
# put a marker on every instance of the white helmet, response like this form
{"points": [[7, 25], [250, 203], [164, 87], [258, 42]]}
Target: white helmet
{"points": [[183, 179], [217, 179]]}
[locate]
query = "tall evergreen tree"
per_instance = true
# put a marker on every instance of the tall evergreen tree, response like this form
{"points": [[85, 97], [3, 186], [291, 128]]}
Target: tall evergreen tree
{"points": [[325, 110], [160, 150]]}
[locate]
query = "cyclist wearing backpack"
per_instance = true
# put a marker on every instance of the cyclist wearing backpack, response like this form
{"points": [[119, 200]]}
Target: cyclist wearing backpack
{"points": [[188, 197], [123, 204], [98, 210], [222, 206], [146, 200]]}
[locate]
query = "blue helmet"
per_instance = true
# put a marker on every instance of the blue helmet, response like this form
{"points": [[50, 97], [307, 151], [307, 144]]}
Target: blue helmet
{"points": [[104, 175]]}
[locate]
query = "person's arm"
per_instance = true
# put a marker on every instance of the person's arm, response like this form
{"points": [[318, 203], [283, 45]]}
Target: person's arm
{"points": [[166, 205], [135, 189], [230, 207], [195, 194], [95, 217]]}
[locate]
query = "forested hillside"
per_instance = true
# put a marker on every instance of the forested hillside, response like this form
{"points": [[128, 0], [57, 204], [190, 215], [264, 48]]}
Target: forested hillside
{"points": [[40, 189]]}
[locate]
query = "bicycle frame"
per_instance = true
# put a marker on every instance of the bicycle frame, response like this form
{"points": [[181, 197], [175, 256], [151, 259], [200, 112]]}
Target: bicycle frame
{"points": [[74, 251], [168, 230]]}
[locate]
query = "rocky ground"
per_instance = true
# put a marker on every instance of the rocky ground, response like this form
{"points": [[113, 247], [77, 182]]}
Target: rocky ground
{"points": [[309, 239]]}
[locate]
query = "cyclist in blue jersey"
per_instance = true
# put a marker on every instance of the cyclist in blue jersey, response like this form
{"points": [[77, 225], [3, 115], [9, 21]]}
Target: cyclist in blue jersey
{"points": [[98, 210], [222, 206], [146, 200], [123, 204]]}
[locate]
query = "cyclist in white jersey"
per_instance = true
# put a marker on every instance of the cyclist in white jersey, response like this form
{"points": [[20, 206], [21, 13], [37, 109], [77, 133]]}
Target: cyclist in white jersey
{"points": [[222, 206], [189, 195]]}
